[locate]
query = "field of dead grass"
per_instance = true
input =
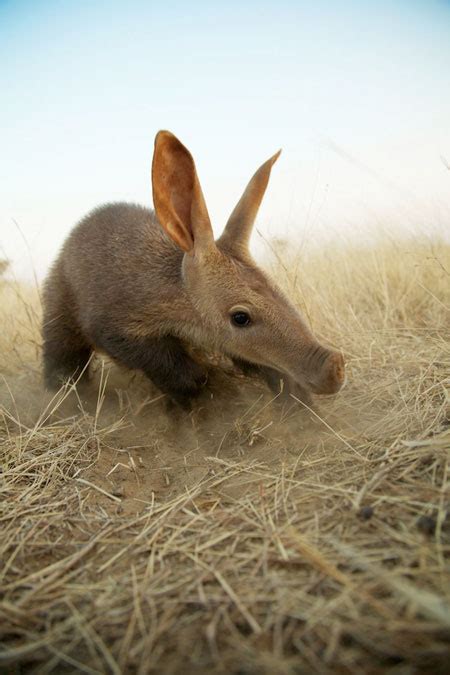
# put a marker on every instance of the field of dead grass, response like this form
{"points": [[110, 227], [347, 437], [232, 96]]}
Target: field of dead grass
{"points": [[247, 536]]}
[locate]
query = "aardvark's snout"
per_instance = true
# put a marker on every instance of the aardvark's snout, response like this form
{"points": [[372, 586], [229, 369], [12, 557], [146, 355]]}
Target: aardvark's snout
{"points": [[331, 376]]}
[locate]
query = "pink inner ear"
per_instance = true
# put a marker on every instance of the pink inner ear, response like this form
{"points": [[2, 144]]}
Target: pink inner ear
{"points": [[179, 179], [181, 236], [182, 205], [178, 197]]}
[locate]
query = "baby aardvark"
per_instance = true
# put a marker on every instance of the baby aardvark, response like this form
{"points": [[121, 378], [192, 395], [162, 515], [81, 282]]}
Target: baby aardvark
{"points": [[143, 286]]}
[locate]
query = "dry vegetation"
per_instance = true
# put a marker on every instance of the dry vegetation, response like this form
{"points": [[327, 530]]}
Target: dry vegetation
{"points": [[246, 537]]}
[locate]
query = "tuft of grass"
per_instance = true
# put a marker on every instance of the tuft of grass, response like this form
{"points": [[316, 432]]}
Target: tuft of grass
{"points": [[245, 537]]}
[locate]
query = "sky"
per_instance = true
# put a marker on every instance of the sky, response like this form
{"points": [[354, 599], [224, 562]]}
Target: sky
{"points": [[356, 93]]}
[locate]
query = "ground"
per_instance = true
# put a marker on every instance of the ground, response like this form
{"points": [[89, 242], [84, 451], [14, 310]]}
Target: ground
{"points": [[247, 536]]}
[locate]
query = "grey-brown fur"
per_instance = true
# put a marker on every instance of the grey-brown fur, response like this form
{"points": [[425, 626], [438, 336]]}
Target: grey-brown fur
{"points": [[143, 288], [99, 295]]}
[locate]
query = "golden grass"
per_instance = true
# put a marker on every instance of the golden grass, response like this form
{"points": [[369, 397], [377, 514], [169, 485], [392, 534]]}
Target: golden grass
{"points": [[245, 537]]}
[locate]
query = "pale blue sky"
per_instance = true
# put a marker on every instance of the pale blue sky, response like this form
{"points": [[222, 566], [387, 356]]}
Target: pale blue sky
{"points": [[356, 93]]}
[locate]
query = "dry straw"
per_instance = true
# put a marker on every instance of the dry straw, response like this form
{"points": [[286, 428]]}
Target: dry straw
{"points": [[248, 536]]}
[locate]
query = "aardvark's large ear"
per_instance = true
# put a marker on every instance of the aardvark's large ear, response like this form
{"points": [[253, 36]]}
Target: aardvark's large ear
{"points": [[238, 229], [177, 195]]}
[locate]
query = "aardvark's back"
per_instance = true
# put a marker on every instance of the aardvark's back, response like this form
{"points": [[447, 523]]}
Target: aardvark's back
{"points": [[115, 273], [116, 258]]}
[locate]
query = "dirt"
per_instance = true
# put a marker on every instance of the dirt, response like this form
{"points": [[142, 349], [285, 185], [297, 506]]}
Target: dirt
{"points": [[145, 450]]}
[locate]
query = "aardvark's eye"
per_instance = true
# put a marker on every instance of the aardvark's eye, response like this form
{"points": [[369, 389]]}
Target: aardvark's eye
{"points": [[240, 319]]}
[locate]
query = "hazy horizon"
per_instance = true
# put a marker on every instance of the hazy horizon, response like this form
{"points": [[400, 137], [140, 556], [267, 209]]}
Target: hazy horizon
{"points": [[356, 95]]}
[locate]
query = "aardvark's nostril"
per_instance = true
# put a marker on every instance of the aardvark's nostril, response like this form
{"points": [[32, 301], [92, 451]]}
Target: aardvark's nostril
{"points": [[339, 368]]}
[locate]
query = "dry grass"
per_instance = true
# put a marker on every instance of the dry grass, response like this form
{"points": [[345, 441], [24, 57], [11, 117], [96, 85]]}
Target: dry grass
{"points": [[245, 537]]}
